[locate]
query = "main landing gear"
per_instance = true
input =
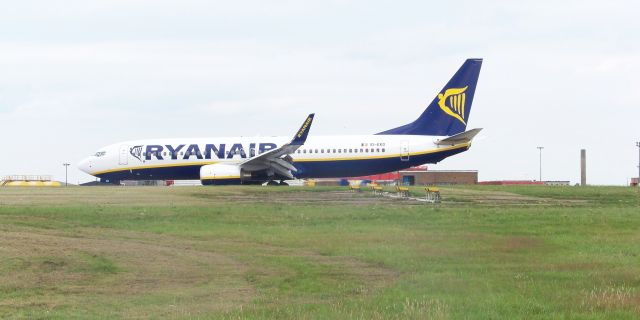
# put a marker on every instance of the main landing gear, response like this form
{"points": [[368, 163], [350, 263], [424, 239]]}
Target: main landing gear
{"points": [[276, 183]]}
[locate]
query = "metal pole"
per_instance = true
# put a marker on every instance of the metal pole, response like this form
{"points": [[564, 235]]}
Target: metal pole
{"points": [[540, 177], [638, 145], [66, 165], [583, 167]]}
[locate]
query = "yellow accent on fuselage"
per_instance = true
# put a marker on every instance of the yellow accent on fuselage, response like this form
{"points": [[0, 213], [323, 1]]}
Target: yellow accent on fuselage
{"points": [[220, 178]]}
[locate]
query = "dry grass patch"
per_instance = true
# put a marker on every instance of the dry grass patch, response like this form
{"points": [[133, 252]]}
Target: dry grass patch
{"points": [[519, 243], [577, 266], [501, 198], [612, 298]]}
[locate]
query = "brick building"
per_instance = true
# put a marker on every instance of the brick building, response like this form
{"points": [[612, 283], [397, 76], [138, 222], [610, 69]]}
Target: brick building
{"points": [[438, 177]]}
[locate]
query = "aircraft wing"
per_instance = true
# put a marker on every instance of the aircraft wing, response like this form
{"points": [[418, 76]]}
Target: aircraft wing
{"points": [[277, 160], [463, 137]]}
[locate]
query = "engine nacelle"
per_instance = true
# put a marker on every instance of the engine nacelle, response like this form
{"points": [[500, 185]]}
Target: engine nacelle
{"points": [[221, 174]]}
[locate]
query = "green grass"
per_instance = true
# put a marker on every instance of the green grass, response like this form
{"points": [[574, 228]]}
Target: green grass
{"points": [[255, 252]]}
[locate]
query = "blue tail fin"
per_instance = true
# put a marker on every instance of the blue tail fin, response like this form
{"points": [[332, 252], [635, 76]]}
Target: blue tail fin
{"points": [[449, 111]]}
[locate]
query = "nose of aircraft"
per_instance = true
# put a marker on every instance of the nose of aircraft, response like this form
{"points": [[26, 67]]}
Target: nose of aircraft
{"points": [[85, 165]]}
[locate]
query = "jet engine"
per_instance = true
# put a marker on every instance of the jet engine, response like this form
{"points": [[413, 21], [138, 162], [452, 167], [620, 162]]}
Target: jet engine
{"points": [[222, 174]]}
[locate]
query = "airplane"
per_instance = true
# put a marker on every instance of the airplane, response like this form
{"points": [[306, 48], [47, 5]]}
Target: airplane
{"points": [[438, 133]]}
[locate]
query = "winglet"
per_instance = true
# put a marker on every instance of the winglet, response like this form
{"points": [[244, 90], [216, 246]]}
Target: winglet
{"points": [[301, 136]]}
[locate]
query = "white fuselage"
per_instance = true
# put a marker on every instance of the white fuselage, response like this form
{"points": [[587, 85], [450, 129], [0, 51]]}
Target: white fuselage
{"points": [[320, 156]]}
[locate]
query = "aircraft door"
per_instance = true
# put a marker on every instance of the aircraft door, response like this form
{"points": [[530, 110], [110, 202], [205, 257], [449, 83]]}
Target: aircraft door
{"points": [[404, 151], [124, 155]]}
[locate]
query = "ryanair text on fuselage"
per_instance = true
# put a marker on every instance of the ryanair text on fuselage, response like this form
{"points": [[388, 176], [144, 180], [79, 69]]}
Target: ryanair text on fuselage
{"points": [[208, 151]]}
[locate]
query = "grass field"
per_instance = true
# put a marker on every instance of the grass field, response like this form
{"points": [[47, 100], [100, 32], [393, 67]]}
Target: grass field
{"points": [[486, 252]]}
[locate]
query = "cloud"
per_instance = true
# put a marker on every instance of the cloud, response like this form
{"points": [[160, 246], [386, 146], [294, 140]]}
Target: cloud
{"points": [[560, 74]]}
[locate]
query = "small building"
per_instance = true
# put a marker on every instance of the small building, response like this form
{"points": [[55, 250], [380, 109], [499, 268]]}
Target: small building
{"points": [[29, 181], [438, 177]]}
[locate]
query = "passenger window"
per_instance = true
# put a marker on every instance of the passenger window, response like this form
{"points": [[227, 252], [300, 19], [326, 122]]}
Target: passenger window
{"points": [[377, 149], [382, 149], [339, 150], [350, 150], [361, 150]]}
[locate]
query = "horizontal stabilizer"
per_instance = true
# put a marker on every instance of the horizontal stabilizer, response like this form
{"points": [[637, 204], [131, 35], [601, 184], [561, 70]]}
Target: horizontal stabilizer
{"points": [[459, 138]]}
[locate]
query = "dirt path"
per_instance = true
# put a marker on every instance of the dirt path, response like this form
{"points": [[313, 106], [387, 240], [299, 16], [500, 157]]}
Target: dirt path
{"points": [[138, 274], [74, 269]]}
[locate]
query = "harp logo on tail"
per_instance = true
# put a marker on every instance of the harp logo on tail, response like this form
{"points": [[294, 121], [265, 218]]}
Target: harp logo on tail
{"points": [[452, 102]]}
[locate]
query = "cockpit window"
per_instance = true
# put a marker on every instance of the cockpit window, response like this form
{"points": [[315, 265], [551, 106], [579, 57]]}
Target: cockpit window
{"points": [[100, 154]]}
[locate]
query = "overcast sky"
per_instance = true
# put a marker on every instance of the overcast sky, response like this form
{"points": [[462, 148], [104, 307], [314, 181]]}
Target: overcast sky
{"points": [[78, 75]]}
